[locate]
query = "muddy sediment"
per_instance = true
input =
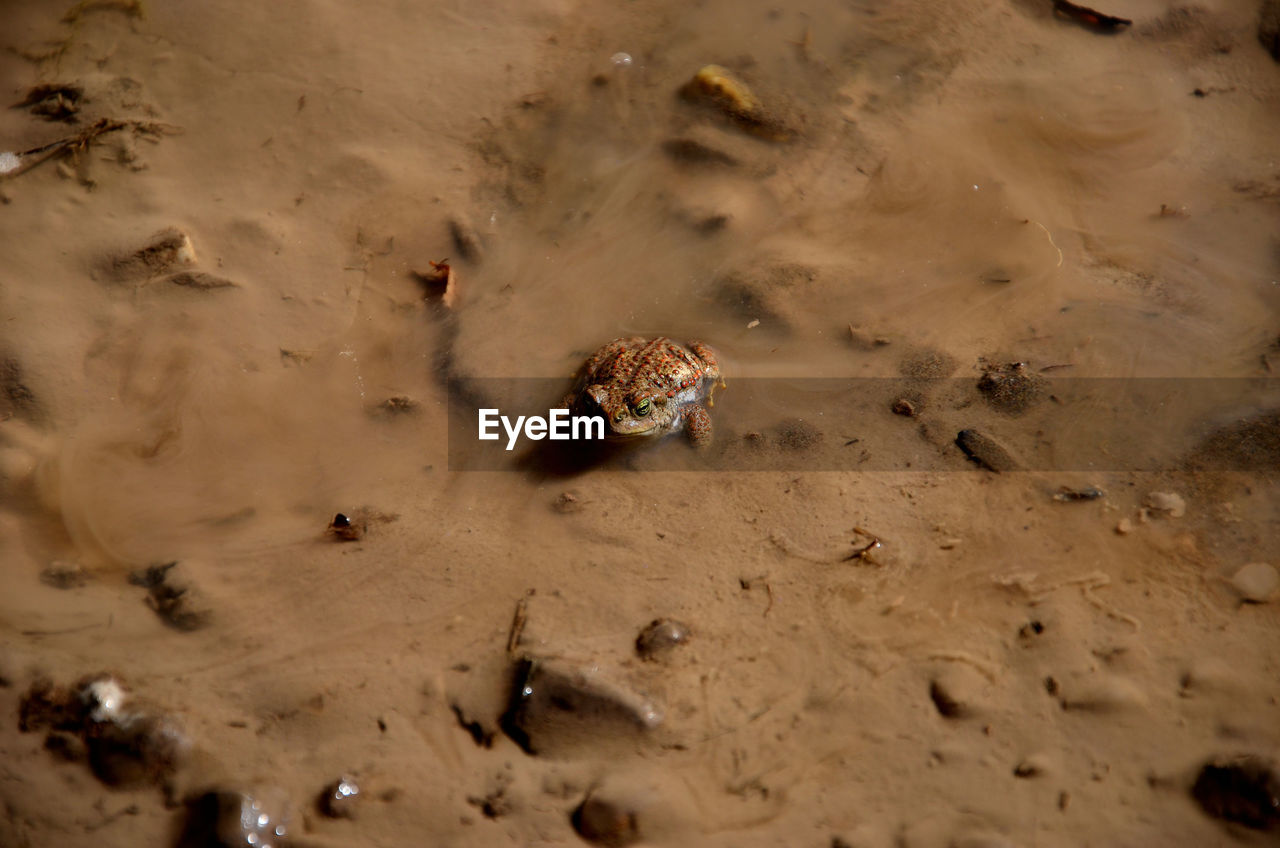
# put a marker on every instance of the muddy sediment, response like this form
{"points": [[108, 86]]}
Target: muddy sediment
{"points": [[259, 267]]}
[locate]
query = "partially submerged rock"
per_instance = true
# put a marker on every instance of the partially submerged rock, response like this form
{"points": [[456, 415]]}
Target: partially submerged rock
{"points": [[339, 798], [557, 705], [174, 596], [986, 451], [721, 89], [1256, 582], [602, 821], [1244, 790], [1269, 27], [660, 637], [439, 284], [1168, 504], [165, 252], [125, 742], [229, 818], [352, 527]]}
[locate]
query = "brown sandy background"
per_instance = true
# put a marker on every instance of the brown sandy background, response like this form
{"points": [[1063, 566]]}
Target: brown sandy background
{"points": [[973, 182]]}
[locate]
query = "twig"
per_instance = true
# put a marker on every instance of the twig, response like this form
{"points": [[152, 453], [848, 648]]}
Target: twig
{"points": [[80, 142], [518, 621]]}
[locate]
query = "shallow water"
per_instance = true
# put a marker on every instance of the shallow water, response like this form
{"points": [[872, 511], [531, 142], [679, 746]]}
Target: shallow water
{"points": [[955, 188]]}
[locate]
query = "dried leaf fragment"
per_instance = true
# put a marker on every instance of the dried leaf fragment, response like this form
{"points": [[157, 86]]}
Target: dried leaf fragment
{"points": [[1089, 17], [440, 283], [718, 87]]}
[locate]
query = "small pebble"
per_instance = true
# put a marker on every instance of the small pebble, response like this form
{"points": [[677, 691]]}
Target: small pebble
{"points": [[566, 502], [1035, 765], [956, 692], [1170, 504], [660, 637], [605, 823], [902, 406], [339, 798], [985, 451], [465, 240], [1124, 527], [344, 529], [398, 405], [1256, 582], [233, 818]]}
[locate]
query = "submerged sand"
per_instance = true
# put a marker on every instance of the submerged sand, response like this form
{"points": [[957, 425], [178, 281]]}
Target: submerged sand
{"points": [[940, 191]]}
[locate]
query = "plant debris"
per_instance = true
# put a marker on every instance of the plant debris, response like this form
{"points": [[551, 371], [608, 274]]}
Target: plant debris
{"points": [[1090, 18], [13, 164], [718, 87], [440, 283], [53, 101], [1066, 494]]}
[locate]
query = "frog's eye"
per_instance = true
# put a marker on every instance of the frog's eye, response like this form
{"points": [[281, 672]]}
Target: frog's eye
{"points": [[642, 408]]}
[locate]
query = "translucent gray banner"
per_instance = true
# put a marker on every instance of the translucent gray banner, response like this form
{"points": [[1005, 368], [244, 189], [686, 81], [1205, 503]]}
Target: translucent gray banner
{"points": [[1005, 422]]}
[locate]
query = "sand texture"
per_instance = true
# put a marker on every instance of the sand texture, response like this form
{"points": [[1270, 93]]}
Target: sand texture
{"points": [[916, 593]]}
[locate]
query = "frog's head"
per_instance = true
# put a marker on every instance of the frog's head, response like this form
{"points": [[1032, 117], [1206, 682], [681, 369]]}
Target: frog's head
{"points": [[636, 415]]}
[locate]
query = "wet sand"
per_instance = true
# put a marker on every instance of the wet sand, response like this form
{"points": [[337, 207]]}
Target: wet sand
{"points": [[931, 653]]}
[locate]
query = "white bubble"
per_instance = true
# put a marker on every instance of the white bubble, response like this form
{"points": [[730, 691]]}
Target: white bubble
{"points": [[9, 162], [622, 60]]}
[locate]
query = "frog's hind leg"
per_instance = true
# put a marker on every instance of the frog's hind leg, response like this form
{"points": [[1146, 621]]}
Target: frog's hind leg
{"points": [[708, 357], [712, 372], [697, 426]]}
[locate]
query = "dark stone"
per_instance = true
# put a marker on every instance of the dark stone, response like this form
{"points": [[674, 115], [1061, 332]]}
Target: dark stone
{"points": [[140, 748], [985, 451], [1244, 790], [555, 707], [173, 596], [339, 798], [948, 706], [1269, 27]]}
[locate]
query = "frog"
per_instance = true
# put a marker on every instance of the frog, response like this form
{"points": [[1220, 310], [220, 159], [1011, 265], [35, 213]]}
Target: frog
{"points": [[647, 388]]}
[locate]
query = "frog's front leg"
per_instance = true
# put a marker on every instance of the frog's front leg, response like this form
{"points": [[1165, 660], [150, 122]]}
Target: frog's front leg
{"points": [[697, 426]]}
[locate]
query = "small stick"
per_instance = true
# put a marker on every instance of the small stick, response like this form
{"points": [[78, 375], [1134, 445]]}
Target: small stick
{"points": [[518, 621], [79, 142]]}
